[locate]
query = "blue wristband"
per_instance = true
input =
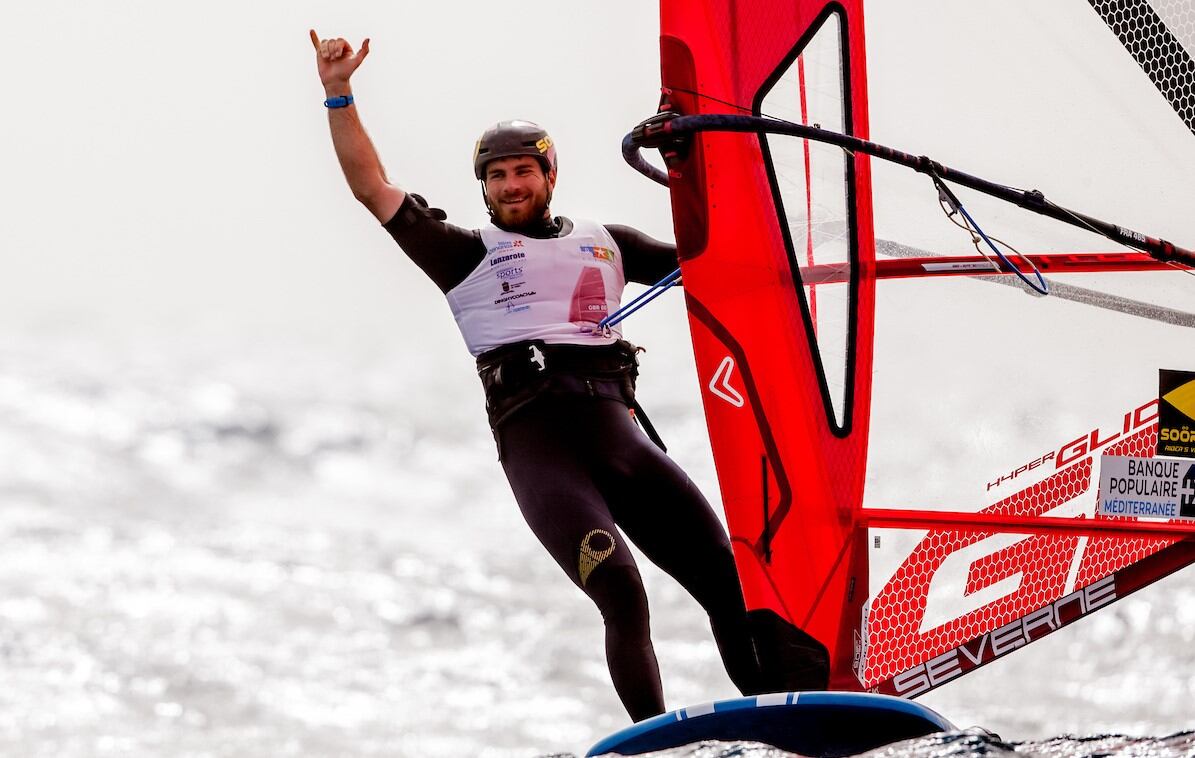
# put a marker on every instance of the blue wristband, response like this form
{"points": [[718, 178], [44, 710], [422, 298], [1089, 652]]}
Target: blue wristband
{"points": [[340, 101]]}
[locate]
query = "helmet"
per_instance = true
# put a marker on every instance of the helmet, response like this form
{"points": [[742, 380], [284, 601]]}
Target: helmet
{"points": [[509, 138]]}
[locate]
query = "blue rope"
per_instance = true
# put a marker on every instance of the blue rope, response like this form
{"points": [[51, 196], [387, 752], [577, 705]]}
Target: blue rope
{"points": [[1040, 287], [652, 293]]}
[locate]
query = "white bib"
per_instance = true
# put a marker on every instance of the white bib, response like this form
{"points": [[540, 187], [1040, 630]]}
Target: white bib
{"points": [[555, 290]]}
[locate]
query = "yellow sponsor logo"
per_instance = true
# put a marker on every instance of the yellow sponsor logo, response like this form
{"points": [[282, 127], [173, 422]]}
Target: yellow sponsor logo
{"points": [[1176, 413], [1178, 435], [594, 551], [1183, 398]]}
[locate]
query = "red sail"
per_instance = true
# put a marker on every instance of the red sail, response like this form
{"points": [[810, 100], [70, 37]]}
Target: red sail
{"points": [[786, 385]]}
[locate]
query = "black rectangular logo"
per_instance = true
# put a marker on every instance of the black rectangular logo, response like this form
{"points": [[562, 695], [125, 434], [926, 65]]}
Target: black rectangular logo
{"points": [[1176, 413]]}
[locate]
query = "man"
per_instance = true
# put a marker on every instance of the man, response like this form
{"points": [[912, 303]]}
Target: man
{"points": [[528, 292]]}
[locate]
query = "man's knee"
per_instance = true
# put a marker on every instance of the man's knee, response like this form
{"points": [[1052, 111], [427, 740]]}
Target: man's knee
{"points": [[619, 594]]}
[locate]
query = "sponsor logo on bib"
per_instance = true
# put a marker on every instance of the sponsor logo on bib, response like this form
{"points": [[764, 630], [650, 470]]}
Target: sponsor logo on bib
{"points": [[598, 253]]}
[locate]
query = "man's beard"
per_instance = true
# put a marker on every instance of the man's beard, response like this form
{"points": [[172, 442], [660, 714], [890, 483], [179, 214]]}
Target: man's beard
{"points": [[531, 213]]}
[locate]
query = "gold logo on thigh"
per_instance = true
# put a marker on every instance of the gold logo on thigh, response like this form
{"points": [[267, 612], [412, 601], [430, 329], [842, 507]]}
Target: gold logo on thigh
{"points": [[591, 554]]}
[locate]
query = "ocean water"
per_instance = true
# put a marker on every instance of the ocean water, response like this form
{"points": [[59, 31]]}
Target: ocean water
{"points": [[244, 549]]}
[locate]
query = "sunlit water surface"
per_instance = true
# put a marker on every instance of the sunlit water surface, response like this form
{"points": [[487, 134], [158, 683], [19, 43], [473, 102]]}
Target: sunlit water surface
{"points": [[247, 551]]}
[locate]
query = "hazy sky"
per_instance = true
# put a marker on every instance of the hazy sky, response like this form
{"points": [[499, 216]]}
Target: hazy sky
{"points": [[168, 165]]}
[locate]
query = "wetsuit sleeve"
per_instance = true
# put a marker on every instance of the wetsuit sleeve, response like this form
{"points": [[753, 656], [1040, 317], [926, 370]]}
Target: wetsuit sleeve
{"points": [[644, 260], [445, 252]]}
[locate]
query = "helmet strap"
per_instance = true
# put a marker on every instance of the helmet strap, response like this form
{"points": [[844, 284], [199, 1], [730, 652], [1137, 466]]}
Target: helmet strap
{"points": [[485, 196]]}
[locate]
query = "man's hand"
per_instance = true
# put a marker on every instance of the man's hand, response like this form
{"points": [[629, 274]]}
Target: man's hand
{"points": [[358, 159], [336, 62]]}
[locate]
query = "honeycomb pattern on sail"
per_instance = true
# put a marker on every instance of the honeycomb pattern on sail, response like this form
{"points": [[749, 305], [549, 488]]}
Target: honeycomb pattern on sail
{"points": [[904, 626], [1161, 38]]}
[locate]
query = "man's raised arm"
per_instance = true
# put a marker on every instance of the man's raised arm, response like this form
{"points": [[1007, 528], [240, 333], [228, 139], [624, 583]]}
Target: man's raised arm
{"points": [[336, 62]]}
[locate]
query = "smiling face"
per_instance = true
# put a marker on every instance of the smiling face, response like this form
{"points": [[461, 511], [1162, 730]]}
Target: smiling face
{"points": [[518, 190]]}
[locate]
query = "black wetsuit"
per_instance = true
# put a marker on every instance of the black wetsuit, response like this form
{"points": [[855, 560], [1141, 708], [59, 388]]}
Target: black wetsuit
{"points": [[580, 467]]}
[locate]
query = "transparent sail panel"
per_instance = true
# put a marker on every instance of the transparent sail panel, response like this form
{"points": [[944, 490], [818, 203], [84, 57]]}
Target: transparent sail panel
{"points": [[974, 378], [986, 398], [812, 190]]}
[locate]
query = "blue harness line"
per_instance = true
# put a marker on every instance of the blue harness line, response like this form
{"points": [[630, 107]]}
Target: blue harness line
{"points": [[1040, 286], [949, 198], [652, 293]]}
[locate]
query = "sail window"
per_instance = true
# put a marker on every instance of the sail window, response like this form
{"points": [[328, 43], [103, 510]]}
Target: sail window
{"points": [[813, 189]]}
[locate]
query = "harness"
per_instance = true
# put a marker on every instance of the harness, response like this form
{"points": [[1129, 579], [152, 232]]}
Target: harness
{"points": [[516, 374]]}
